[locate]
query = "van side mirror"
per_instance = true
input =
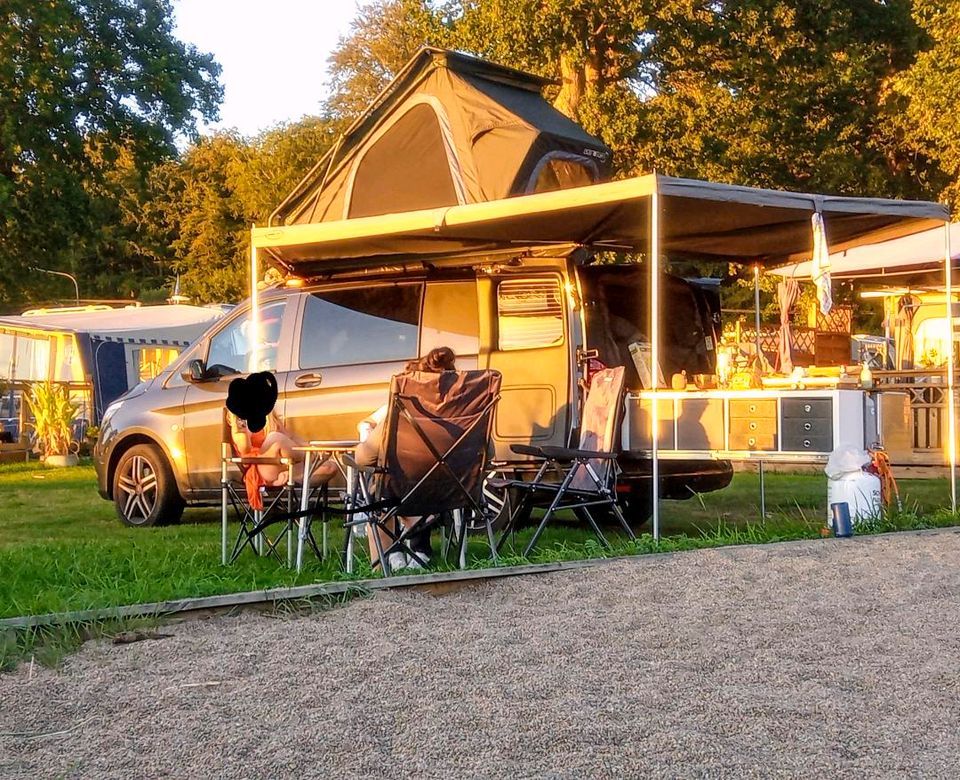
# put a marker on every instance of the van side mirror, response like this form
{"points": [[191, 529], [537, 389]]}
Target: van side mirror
{"points": [[196, 372]]}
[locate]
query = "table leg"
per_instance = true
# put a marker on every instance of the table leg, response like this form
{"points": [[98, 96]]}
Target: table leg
{"points": [[304, 503], [763, 493]]}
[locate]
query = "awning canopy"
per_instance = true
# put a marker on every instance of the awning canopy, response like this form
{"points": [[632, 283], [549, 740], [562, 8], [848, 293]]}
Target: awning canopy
{"points": [[161, 325], [696, 218], [901, 259]]}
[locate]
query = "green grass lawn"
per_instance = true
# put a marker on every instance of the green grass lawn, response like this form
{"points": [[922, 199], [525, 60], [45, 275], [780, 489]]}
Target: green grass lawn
{"points": [[62, 548]]}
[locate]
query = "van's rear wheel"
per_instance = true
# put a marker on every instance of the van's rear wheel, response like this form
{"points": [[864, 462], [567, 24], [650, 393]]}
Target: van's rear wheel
{"points": [[144, 490]]}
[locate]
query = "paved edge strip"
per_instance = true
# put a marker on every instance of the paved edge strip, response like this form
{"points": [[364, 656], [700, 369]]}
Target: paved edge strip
{"points": [[268, 596]]}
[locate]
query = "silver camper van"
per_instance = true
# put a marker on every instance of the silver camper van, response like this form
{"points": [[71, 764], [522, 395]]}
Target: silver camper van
{"points": [[544, 322]]}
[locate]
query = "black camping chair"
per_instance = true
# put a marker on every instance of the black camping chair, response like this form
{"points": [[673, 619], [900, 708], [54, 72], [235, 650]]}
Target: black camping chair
{"points": [[432, 461], [579, 479], [278, 503]]}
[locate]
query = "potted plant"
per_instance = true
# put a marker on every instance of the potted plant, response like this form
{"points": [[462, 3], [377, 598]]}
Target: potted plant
{"points": [[53, 417]]}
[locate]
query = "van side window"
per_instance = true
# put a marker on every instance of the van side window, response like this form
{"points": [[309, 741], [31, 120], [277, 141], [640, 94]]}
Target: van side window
{"points": [[451, 318], [529, 313], [231, 347], [360, 325]]}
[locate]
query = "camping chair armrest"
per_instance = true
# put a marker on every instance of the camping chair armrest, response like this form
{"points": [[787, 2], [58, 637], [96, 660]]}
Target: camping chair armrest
{"points": [[567, 454], [527, 449], [260, 460]]}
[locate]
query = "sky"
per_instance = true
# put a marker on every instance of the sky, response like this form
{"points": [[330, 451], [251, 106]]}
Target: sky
{"points": [[273, 54]]}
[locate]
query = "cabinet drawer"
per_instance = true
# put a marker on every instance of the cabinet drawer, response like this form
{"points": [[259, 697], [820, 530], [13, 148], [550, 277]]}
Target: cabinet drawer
{"points": [[763, 442], [795, 428], [807, 407], [818, 443], [762, 425], [746, 407]]}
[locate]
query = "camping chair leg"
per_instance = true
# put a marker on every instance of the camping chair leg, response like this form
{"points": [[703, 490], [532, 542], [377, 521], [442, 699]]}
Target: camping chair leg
{"points": [[374, 528], [550, 510], [224, 498], [623, 521], [584, 515]]}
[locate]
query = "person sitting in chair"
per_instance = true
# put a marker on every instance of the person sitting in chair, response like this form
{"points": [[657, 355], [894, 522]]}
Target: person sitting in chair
{"points": [[367, 454], [256, 430]]}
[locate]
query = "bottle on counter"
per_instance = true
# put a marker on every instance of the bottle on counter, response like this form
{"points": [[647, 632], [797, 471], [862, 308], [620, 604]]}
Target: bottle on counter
{"points": [[866, 377]]}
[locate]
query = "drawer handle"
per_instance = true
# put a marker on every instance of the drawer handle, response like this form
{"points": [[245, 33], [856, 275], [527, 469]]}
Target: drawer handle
{"points": [[807, 427], [753, 408], [753, 426], [807, 408], [806, 444], [752, 441]]}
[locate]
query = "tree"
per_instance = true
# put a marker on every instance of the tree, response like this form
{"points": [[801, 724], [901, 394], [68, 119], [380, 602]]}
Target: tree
{"points": [[203, 205], [384, 35], [82, 84], [931, 88]]}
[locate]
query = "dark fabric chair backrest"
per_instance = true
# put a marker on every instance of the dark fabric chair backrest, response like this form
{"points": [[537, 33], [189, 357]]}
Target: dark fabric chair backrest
{"points": [[432, 416], [598, 426]]}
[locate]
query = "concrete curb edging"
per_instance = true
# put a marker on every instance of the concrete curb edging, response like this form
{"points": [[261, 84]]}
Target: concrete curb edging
{"points": [[274, 596]]}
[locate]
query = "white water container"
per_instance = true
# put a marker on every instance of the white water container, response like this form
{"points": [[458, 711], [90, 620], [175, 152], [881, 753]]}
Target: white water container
{"points": [[860, 490]]}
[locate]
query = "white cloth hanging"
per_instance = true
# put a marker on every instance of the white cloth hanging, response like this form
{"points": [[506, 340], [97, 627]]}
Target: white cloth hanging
{"points": [[820, 264]]}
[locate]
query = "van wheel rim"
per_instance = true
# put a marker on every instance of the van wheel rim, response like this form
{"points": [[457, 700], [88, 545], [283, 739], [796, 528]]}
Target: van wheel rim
{"points": [[138, 483]]}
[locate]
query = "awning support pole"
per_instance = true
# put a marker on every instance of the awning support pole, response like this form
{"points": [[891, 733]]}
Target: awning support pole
{"points": [[951, 408], [756, 313], [655, 354], [254, 360]]}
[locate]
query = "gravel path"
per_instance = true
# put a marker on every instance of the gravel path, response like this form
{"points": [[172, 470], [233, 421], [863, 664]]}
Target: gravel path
{"points": [[832, 658]]}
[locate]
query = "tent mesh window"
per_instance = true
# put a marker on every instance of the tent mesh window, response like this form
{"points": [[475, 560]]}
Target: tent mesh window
{"points": [[560, 173], [405, 170], [529, 313]]}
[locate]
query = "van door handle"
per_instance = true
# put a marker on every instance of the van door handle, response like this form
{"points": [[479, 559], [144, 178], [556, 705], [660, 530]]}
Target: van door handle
{"points": [[308, 380]]}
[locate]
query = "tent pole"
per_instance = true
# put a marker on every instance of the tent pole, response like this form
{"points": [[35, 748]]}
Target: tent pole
{"points": [[951, 408], [655, 353], [254, 360]]}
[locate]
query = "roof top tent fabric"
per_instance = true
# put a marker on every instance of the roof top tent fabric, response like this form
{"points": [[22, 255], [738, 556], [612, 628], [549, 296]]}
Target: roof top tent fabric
{"points": [[449, 130]]}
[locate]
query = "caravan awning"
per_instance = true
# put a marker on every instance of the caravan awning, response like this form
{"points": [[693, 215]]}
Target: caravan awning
{"points": [[901, 259], [697, 218], [150, 325]]}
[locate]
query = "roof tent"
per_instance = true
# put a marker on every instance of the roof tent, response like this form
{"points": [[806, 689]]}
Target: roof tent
{"points": [[656, 215], [449, 130]]}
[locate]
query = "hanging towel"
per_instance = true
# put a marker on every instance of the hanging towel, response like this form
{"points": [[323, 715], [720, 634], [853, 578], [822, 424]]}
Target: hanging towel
{"points": [[820, 264]]}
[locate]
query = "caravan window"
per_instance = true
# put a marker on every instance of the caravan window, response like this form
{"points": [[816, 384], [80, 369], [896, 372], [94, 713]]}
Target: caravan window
{"points": [[360, 325], [529, 313], [231, 347]]}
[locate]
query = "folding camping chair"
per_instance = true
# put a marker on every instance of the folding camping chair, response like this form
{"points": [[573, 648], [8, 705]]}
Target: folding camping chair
{"points": [[432, 462], [278, 503], [581, 478]]}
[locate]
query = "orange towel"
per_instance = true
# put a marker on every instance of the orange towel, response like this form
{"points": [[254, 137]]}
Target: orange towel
{"points": [[252, 478]]}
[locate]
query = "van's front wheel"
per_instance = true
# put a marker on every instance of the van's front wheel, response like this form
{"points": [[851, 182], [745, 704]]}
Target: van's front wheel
{"points": [[144, 490]]}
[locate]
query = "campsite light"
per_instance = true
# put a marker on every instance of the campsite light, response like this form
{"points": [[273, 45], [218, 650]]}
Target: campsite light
{"points": [[294, 281]]}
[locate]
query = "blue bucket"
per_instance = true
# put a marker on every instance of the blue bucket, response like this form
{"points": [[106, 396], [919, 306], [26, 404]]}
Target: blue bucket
{"points": [[842, 525]]}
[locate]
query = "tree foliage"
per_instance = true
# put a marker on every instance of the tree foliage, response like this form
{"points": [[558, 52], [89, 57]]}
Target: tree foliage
{"points": [[931, 89], [203, 205], [86, 87]]}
